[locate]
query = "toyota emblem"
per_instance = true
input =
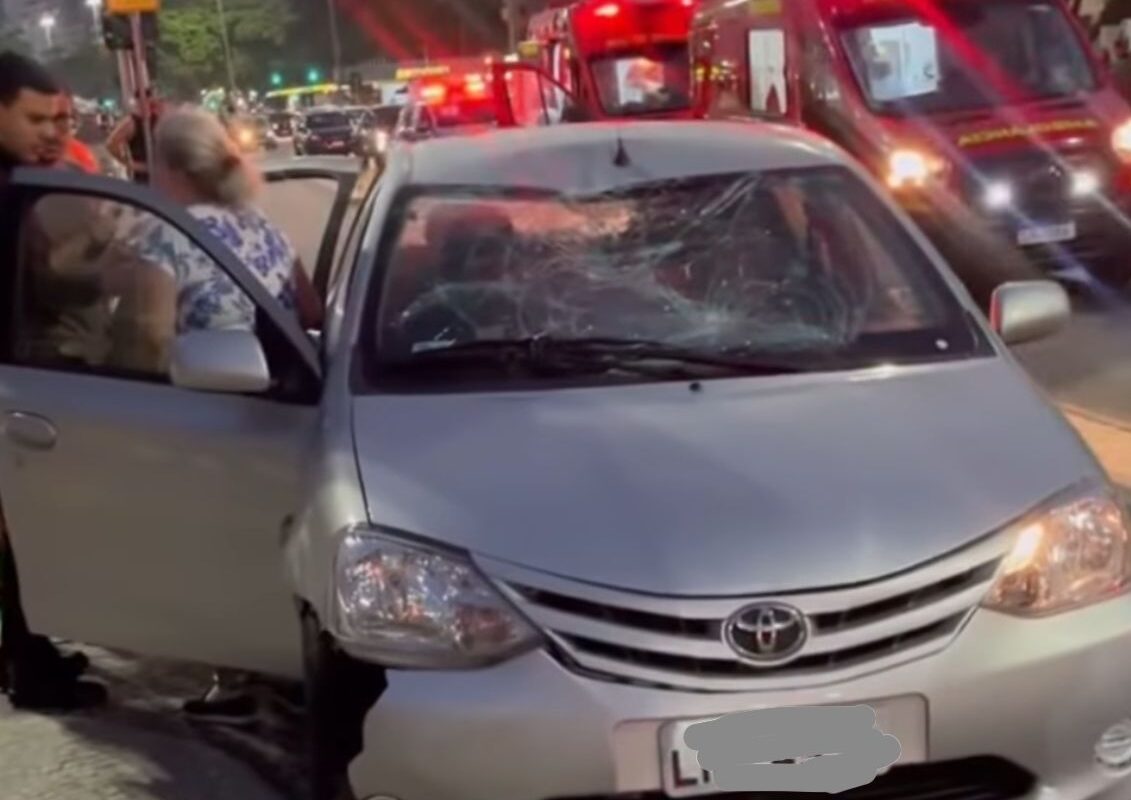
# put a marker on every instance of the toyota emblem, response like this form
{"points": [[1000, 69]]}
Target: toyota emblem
{"points": [[766, 633]]}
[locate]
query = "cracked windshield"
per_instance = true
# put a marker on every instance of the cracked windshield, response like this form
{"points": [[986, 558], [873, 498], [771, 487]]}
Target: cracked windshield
{"points": [[701, 398]]}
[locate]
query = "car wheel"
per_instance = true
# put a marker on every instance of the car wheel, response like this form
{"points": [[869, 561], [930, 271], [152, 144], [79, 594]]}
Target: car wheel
{"points": [[340, 690]]}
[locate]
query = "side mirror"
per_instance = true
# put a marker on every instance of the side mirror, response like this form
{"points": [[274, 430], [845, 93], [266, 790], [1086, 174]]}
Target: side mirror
{"points": [[1021, 311], [232, 362]]}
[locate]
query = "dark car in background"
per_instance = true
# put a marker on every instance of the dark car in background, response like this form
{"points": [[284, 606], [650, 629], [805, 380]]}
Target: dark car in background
{"points": [[325, 131], [282, 124], [371, 142]]}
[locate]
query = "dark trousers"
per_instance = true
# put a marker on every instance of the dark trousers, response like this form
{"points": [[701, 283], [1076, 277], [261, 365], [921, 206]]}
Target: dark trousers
{"points": [[14, 633]]}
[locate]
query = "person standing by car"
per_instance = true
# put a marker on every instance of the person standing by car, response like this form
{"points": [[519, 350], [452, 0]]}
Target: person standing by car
{"points": [[65, 146], [67, 311], [197, 164], [33, 673]]}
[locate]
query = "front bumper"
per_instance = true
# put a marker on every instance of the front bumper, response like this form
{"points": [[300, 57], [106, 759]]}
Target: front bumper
{"points": [[1033, 695], [1103, 232]]}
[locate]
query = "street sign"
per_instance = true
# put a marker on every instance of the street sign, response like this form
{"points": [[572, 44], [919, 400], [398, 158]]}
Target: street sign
{"points": [[133, 6]]}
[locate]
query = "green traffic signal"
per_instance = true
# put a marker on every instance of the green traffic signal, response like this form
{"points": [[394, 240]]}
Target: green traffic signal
{"points": [[313, 75], [276, 79]]}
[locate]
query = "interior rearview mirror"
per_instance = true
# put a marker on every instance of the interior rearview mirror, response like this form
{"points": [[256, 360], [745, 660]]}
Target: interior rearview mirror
{"points": [[1021, 311], [219, 361]]}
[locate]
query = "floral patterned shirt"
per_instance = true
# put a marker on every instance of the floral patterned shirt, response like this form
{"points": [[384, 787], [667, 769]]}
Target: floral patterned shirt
{"points": [[206, 297]]}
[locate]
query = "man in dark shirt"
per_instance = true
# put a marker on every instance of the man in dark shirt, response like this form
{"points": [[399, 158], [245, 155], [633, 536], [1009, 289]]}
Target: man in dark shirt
{"points": [[32, 671], [28, 100]]}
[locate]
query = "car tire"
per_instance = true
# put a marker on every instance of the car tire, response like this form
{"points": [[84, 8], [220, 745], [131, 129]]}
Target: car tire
{"points": [[340, 690]]}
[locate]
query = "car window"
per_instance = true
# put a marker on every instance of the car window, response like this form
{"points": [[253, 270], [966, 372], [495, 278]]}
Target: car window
{"points": [[807, 262], [334, 120], [103, 287]]}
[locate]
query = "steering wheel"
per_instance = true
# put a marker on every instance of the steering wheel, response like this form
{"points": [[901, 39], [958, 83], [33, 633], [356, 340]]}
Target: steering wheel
{"points": [[458, 312]]}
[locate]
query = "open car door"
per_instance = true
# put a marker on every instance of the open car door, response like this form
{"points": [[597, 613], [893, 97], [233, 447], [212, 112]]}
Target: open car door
{"points": [[312, 204], [527, 96], [146, 512]]}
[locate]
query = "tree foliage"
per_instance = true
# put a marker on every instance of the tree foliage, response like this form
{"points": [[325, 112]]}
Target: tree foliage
{"points": [[192, 46], [12, 38]]}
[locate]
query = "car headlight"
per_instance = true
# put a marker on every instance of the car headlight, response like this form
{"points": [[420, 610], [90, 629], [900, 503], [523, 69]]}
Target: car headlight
{"points": [[912, 168], [1121, 141], [401, 604], [1073, 551]]}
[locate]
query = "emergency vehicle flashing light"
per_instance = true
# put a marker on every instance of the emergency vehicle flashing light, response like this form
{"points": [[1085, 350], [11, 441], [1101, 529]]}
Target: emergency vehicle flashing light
{"points": [[434, 93], [474, 87]]}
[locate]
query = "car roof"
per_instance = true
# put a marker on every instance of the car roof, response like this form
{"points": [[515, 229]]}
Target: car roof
{"points": [[580, 156]]}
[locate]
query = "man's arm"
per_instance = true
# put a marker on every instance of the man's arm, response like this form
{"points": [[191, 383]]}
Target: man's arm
{"points": [[117, 143]]}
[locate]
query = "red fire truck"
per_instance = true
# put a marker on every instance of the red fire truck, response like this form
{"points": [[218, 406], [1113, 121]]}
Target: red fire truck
{"points": [[619, 58], [997, 106]]}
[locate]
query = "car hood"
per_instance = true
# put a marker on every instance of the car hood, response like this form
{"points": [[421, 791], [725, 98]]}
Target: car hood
{"points": [[743, 486]]}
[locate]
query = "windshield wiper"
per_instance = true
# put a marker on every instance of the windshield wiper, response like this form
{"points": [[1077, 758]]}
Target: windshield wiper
{"points": [[602, 353]]}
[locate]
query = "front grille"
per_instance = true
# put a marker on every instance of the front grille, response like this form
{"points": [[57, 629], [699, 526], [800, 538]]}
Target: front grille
{"points": [[679, 642], [1042, 195], [1041, 181], [981, 778]]}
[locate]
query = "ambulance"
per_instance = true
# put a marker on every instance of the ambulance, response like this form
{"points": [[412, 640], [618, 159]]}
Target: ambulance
{"points": [[998, 107], [618, 58]]}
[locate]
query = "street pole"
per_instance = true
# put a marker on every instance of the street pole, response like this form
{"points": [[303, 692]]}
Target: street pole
{"points": [[126, 78], [335, 41], [141, 83], [222, 14]]}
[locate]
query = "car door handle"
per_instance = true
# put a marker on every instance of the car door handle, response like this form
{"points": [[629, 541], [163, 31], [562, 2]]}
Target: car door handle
{"points": [[30, 430]]}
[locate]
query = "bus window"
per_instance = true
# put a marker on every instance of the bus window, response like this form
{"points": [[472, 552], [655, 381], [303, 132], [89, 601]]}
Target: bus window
{"points": [[632, 83]]}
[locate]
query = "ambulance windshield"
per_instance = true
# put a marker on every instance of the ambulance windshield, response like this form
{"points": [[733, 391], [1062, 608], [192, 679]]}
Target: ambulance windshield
{"points": [[977, 56], [639, 83]]}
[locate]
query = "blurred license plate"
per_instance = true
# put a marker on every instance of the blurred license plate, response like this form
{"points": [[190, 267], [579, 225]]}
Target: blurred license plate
{"points": [[1046, 234], [905, 718]]}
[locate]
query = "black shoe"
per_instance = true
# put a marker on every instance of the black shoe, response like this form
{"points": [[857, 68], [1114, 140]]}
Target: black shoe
{"points": [[47, 658], [56, 695], [220, 707], [41, 658]]}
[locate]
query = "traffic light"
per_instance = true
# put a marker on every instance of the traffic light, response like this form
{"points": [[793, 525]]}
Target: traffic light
{"points": [[116, 32], [313, 75], [276, 79]]}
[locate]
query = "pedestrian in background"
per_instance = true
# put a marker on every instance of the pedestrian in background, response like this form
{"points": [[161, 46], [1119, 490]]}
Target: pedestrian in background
{"points": [[128, 141]]}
